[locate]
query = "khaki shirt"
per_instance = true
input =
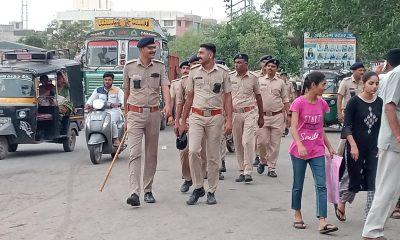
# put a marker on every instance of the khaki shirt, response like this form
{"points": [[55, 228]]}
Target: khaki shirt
{"points": [[348, 87], [290, 90], [258, 73], [244, 89], [181, 92], [203, 82], [150, 77], [174, 88], [273, 93]]}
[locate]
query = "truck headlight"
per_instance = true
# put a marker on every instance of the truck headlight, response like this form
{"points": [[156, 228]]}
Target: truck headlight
{"points": [[22, 114], [332, 102]]}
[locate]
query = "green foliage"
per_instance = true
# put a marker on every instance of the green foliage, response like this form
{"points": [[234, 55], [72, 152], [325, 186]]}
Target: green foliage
{"points": [[249, 33], [375, 23], [36, 39]]}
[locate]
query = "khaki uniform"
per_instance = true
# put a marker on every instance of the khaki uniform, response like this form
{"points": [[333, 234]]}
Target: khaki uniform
{"points": [[244, 90], [180, 90], [292, 96], [202, 83], [274, 96], [146, 122]]}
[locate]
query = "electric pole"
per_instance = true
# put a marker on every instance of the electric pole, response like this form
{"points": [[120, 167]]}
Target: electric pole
{"points": [[24, 14], [235, 8]]}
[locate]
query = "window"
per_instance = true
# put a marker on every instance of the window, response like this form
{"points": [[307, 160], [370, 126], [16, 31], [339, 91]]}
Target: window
{"points": [[179, 23], [16, 85], [168, 23], [102, 53]]}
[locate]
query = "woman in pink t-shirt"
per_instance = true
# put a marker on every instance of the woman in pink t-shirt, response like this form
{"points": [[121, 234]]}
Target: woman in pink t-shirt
{"points": [[308, 147]]}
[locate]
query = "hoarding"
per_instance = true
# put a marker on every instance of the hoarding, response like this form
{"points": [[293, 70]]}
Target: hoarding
{"points": [[138, 23], [332, 48]]}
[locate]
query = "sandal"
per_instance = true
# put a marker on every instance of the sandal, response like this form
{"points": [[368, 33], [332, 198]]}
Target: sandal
{"points": [[299, 225], [341, 216], [328, 228], [396, 214]]}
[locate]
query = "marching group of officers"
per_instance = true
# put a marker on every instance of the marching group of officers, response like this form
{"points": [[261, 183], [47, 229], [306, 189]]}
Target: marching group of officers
{"points": [[209, 103]]}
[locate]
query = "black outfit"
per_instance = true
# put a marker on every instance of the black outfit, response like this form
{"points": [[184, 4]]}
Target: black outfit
{"points": [[362, 121]]}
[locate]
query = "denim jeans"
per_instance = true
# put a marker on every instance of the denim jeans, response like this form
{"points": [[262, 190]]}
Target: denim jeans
{"points": [[317, 166]]}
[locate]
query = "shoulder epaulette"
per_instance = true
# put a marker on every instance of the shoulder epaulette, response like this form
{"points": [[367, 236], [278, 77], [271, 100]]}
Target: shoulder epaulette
{"points": [[195, 66], [131, 61], [175, 80], [159, 61], [254, 74], [186, 76], [232, 72], [223, 67]]}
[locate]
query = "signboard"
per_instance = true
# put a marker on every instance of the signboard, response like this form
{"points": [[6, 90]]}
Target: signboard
{"points": [[332, 48], [138, 23], [122, 33]]}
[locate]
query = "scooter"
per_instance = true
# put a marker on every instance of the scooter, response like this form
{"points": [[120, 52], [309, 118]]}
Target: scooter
{"points": [[98, 129]]}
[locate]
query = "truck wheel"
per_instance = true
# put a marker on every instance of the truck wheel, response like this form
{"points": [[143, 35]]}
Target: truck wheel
{"points": [[69, 141], [95, 153], [3, 147], [12, 147]]}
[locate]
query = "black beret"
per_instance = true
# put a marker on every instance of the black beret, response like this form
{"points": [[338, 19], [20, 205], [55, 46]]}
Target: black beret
{"points": [[356, 66], [274, 61], [243, 56], [222, 62], [265, 57], [145, 42], [209, 46], [184, 63], [181, 142], [194, 58]]}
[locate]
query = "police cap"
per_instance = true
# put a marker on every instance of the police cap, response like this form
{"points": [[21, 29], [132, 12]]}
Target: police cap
{"points": [[243, 56], [184, 63], [222, 62], [265, 57], [194, 58], [145, 42], [356, 66], [274, 61], [393, 57], [181, 142]]}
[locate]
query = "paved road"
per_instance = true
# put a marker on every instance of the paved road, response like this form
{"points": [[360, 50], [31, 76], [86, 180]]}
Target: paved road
{"points": [[48, 194]]}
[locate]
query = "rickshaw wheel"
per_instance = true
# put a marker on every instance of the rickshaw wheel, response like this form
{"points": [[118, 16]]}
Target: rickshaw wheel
{"points": [[3, 147], [12, 147], [69, 142]]}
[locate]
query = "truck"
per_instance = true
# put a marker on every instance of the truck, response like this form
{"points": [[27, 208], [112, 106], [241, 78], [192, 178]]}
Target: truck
{"points": [[114, 42]]}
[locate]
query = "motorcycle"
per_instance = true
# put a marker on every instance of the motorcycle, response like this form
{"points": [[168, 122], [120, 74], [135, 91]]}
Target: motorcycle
{"points": [[99, 131]]}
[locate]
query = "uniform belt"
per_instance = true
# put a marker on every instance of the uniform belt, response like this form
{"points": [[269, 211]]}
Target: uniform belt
{"points": [[133, 108], [269, 114], [244, 110], [206, 113]]}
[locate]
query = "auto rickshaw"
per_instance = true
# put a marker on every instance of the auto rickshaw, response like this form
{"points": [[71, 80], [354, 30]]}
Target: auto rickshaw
{"points": [[30, 117]]}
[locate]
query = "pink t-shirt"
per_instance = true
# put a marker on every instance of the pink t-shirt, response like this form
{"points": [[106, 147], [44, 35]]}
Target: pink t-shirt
{"points": [[310, 127]]}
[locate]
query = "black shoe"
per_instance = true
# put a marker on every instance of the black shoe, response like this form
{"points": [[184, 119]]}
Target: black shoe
{"points": [[211, 199], [248, 178], [133, 200], [256, 161], [221, 176], [272, 174], [223, 167], [240, 178], [186, 185], [261, 168], [149, 198], [197, 193]]}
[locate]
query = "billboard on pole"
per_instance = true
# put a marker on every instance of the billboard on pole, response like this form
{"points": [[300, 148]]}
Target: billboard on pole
{"points": [[331, 48]]}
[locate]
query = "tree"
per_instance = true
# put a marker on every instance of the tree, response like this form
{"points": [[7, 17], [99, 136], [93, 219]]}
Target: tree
{"points": [[68, 35], [375, 23], [188, 44], [36, 39]]}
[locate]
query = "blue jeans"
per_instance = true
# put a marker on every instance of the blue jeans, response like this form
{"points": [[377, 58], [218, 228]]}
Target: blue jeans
{"points": [[317, 166]]}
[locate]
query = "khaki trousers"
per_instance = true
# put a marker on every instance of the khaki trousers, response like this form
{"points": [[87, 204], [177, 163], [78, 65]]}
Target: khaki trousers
{"points": [[184, 156], [148, 125], [269, 140], [209, 128], [244, 130]]}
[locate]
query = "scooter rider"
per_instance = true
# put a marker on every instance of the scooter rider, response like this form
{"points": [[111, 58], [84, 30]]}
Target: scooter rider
{"points": [[114, 98]]}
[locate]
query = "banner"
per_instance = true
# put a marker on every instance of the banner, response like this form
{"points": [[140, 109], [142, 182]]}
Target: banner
{"points": [[138, 23], [332, 48]]}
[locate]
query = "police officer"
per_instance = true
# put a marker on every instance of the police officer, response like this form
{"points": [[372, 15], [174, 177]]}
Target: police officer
{"points": [[209, 94], [245, 92], [292, 95], [263, 61], [143, 78], [275, 104], [180, 91]]}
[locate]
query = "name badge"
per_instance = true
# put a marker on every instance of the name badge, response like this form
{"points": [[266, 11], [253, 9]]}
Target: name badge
{"points": [[155, 75]]}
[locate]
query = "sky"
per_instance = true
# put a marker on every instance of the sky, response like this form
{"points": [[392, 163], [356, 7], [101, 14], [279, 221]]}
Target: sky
{"points": [[41, 12]]}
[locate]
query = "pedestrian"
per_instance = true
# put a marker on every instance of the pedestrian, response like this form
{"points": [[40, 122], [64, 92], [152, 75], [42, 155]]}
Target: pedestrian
{"points": [[208, 97], [181, 93], [275, 104], [143, 78], [245, 92], [348, 88], [387, 190], [308, 147], [362, 121]]}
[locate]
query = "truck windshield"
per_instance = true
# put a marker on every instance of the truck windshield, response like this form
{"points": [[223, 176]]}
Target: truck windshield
{"points": [[102, 53], [133, 51], [14, 85]]}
